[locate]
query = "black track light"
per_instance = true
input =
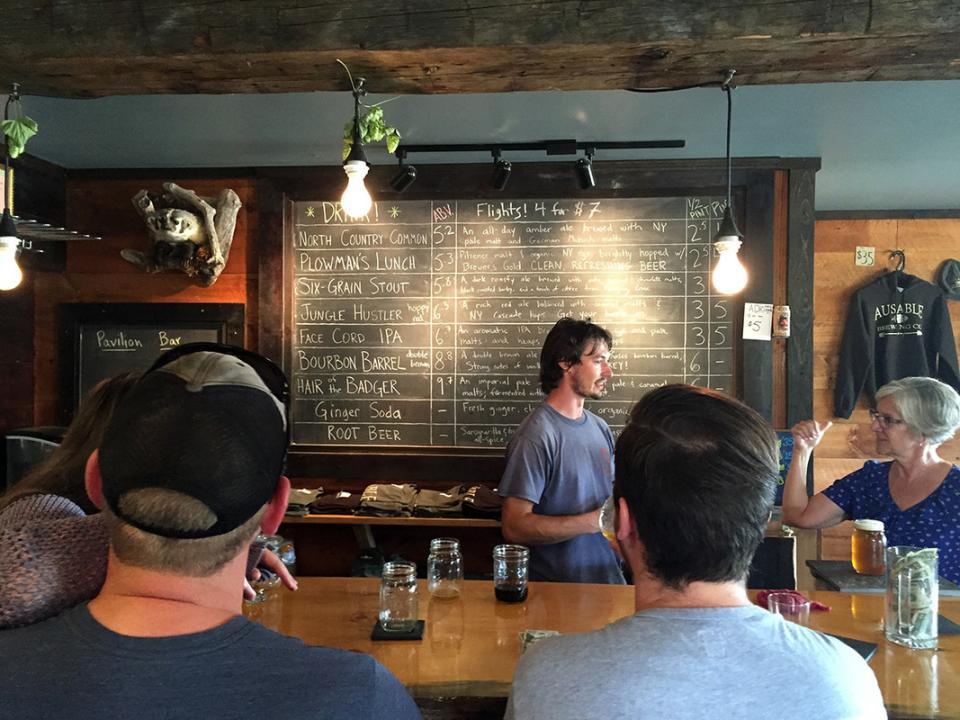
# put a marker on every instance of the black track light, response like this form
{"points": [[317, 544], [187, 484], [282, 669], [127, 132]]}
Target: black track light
{"points": [[585, 171], [404, 178], [501, 171]]}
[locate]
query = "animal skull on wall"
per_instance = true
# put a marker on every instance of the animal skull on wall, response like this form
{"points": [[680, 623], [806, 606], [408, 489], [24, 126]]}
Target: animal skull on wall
{"points": [[190, 233]]}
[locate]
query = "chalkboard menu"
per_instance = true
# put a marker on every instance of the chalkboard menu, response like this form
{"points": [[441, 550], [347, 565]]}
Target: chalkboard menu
{"points": [[100, 341], [422, 324]]}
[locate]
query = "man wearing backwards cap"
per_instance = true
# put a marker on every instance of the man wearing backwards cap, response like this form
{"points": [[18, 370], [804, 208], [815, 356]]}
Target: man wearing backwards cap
{"points": [[189, 470]]}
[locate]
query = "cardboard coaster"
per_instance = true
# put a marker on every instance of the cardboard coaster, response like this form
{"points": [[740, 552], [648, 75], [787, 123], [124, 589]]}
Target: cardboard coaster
{"points": [[380, 634]]}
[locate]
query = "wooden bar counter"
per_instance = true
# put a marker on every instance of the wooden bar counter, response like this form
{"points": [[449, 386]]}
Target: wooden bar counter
{"points": [[471, 644]]}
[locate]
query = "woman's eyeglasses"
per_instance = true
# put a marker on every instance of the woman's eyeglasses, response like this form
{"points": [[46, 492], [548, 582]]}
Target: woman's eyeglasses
{"points": [[884, 420]]}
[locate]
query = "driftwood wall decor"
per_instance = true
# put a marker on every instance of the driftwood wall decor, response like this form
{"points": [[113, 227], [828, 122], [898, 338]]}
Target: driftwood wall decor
{"points": [[189, 233]]}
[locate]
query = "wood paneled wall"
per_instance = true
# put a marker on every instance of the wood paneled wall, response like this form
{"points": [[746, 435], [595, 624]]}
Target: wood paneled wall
{"points": [[96, 273], [926, 243]]}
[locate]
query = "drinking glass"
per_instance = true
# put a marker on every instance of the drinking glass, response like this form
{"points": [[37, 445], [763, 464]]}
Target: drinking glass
{"points": [[444, 568], [510, 572], [792, 607], [913, 596], [398, 597]]}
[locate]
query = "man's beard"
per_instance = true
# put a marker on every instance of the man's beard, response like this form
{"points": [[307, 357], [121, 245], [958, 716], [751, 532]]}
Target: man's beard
{"points": [[594, 392]]}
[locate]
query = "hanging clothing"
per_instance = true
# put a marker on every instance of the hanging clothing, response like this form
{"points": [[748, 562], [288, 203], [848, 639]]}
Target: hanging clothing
{"points": [[897, 326]]}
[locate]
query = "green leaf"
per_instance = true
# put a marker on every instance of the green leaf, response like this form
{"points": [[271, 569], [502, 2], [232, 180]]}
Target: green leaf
{"points": [[373, 128], [18, 131], [393, 141]]}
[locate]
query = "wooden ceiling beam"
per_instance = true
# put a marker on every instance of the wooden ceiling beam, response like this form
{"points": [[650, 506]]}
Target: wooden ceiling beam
{"points": [[90, 48]]}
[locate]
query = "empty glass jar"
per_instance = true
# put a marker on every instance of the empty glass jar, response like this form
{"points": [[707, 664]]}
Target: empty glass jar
{"points": [[444, 568], [398, 597]]}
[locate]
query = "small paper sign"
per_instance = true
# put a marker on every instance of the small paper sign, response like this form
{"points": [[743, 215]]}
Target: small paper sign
{"points": [[757, 320], [864, 256]]}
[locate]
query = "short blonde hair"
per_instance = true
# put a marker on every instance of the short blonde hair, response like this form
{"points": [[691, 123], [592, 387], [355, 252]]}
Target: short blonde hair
{"points": [[197, 557]]}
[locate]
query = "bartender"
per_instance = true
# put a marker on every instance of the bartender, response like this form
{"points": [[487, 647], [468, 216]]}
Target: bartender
{"points": [[560, 463]]}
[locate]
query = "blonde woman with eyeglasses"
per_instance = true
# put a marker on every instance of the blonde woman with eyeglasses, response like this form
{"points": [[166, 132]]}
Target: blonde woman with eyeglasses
{"points": [[916, 495]]}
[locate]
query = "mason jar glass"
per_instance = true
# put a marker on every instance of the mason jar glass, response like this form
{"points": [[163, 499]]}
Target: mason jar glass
{"points": [[444, 568], [510, 572], [398, 597], [867, 547]]}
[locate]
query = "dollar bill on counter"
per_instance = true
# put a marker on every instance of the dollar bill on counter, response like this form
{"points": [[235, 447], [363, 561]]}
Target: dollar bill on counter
{"points": [[529, 637]]}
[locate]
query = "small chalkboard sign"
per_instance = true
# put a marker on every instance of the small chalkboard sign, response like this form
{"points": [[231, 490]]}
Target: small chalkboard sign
{"points": [[99, 341]]}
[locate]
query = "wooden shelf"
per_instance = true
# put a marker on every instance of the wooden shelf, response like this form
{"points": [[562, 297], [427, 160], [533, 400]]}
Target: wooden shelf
{"points": [[373, 520]]}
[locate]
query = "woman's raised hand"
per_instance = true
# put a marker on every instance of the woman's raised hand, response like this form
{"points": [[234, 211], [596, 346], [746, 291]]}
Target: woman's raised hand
{"points": [[807, 434]]}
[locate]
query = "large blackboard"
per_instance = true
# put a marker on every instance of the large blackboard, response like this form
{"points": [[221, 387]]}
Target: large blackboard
{"points": [[422, 325], [99, 341]]}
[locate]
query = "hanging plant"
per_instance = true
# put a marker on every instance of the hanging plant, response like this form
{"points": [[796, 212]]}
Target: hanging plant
{"points": [[373, 128], [19, 128]]}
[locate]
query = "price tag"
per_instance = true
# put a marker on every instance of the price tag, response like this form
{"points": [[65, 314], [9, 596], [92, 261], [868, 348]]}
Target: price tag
{"points": [[757, 321], [865, 255]]}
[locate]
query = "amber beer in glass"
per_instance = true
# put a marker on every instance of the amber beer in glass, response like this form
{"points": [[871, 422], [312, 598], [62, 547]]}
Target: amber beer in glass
{"points": [[867, 547]]}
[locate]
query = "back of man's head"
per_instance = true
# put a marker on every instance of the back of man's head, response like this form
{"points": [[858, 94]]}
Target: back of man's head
{"points": [[697, 471], [191, 456]]}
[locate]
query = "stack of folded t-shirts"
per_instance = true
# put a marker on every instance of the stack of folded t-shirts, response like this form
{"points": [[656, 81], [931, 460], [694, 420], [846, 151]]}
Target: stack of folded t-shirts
{"points": [[388, 500], [437, 503], [341, 503], [481, 501], [300, 499]]}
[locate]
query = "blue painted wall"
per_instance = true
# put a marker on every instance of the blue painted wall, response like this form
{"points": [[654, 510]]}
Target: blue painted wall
{"points": [[884, 145]]}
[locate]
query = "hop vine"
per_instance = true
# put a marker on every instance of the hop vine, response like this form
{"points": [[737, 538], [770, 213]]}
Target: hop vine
{"points": [[373, 128]]}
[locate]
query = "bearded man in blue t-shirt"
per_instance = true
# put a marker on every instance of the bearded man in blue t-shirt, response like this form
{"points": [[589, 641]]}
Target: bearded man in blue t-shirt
{"points": [[560, 463]]}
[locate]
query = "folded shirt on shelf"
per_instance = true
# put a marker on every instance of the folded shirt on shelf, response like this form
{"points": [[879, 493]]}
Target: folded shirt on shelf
{"points": [[439, 503], [300, 499], [388, 500], [481, 501], [342, 503]]}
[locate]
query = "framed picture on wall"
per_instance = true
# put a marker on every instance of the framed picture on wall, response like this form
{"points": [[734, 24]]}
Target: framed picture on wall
{"points": [[99, 341]]}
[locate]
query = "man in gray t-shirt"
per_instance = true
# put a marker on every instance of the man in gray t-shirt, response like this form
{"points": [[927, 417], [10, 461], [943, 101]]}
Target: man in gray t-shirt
{"points": [[189, 470], [694, 487], [560, 463]]}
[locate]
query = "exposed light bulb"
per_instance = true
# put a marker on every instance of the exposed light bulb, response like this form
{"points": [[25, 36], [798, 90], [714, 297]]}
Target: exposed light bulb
{"points": [[10, 273], [356, 200], [729, 276]]}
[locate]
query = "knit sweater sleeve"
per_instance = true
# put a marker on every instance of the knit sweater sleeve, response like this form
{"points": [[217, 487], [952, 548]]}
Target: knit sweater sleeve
{"points": [[53, 557]]}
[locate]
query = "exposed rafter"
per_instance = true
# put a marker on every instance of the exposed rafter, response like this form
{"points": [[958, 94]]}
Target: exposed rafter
{"points": [[92, 48]]}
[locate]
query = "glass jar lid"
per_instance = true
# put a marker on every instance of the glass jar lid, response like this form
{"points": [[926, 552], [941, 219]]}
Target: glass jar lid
{"points": [[868, 525]]}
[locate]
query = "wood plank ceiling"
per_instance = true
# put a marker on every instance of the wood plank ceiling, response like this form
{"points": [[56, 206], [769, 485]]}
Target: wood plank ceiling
{"points": [[93, 48]]}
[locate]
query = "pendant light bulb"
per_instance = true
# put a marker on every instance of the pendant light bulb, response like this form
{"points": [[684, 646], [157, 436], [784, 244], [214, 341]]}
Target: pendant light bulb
{"points": [[356, 200], [729, 275], [10, 273]]}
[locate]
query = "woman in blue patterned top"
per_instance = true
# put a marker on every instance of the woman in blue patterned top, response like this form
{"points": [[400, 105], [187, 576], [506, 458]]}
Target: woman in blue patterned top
{"points": [[917, 495]]}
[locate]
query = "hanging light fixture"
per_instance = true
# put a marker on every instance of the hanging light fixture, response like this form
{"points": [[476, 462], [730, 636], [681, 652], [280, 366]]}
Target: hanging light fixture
{"points": [[729, 275], [501, 171], [356, 200], [10, 273], [406, 176], [584, 169]]}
